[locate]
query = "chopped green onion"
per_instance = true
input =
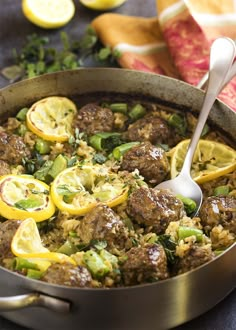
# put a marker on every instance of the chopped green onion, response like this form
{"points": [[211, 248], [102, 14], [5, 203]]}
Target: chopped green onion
{"points": [[100, 141], [73, 234], [178, 122], [59, 164], [42, 146], [34, 274], [21, 130], [138, 111], [20, 263], [189, 204], [95, 263], [119, 151], [67, 248], [119, 107], [184, 231], [221, 190], [218, 252], [21, 115], [107, 256]]}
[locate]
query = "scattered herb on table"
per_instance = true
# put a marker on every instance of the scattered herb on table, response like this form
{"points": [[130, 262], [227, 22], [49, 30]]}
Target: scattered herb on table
{"points": [[37, 56]]}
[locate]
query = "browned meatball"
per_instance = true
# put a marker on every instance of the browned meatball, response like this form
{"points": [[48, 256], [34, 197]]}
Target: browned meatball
{"points": [[156, 208], [4, 168], [151, 162], [102, 223], [145, 264], [149, 128], [12, 148], [67, 274], [195, 257], [7, 231], [93, 118], [219, 210]]}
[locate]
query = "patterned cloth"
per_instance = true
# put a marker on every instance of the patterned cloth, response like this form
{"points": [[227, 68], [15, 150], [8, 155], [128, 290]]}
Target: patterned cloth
{"points": [[176, 43]]}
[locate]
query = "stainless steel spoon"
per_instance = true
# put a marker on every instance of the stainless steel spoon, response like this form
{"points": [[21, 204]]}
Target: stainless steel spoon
{"points": [[203, 82], [221, 58]]}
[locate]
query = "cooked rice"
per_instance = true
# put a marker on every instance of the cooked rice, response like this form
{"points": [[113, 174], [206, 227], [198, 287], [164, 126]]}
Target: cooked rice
{"points": [[221, 238]]}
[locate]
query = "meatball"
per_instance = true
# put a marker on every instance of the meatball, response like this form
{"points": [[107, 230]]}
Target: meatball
{"points": [[151, 162], [156, 208], [12, 148], [7, 231], [145, 264], [102, 223], [149, 128], [219, 210], [93, 119], [67, 274], [4, 168], [196, 256]]}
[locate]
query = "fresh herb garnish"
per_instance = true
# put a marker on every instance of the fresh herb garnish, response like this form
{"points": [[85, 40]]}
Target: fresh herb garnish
{"points": [[99, 245], [169, 247], [99, 158], [29, 203], [37, 56]]}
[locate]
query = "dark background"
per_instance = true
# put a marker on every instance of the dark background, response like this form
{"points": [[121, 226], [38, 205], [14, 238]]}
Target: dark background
{"points": [[13, 31]]}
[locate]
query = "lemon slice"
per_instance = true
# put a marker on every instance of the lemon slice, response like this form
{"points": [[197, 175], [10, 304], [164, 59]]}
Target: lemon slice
{"points": [[51, 118], [79, 189], [26, 243], [22, 196], [211, 160], [102, 4], [48, 14]]}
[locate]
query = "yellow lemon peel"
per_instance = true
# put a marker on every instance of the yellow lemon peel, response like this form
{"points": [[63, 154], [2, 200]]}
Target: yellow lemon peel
{"points": [[26, 243], [48, 14], [211, 160]]}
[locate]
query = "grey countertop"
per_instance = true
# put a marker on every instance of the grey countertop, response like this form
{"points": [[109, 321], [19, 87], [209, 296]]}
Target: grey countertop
{"points": [[13, 31]]}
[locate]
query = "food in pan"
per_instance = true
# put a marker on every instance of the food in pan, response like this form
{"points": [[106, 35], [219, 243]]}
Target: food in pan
{"points": [[78, 203]]}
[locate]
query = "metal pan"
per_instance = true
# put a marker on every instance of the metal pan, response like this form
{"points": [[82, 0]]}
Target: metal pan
{"points": [[160, 305]]}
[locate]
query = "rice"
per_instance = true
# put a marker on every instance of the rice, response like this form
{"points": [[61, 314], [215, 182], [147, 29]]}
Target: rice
{"points": [[221, 238]]}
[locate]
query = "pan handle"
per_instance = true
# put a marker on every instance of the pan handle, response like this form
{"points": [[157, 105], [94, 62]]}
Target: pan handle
{"points": [[8, 304]]}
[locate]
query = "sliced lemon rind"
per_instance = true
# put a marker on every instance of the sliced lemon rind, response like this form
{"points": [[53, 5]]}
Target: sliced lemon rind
{"points": [[102, 4], [87, 201], [9, 198], [226, 160], [51, 118], [48, 14], [26, 243]]}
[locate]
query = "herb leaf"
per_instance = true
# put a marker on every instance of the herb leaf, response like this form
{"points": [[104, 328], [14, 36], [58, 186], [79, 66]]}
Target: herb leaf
{"points": [[29, 203], [37, 57]]}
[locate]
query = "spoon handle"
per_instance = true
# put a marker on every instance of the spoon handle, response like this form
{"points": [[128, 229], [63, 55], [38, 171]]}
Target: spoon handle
{"points": [[202, 83], [221, 58]]}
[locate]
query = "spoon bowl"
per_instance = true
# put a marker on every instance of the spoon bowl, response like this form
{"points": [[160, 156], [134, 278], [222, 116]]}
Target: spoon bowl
{"points": [[219, 69]]}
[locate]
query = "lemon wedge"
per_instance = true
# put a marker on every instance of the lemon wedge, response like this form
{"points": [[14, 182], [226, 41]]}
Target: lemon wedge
{"points": [[26, 243], [51, 118], [78, 189], [48, 14], [102, 4], [22, 196], [211, 160]]}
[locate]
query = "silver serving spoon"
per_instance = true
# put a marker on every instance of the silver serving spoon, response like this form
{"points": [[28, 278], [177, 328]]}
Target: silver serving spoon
{"points": [[221, 58], [203, 82]]}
